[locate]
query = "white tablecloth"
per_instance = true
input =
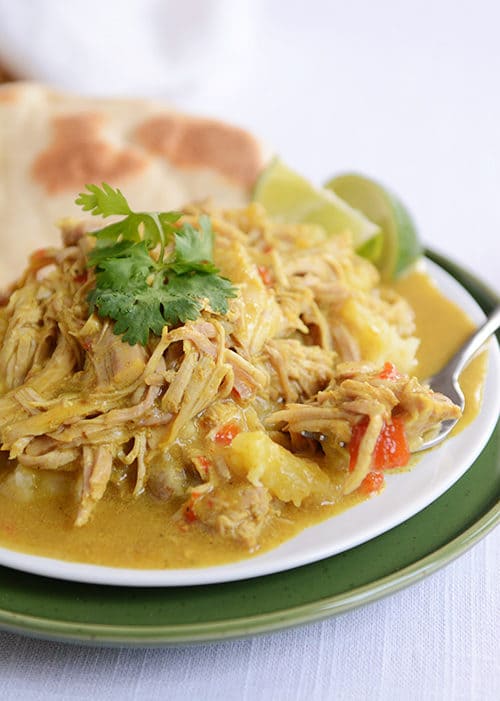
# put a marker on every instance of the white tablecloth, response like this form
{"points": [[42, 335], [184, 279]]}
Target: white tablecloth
{"points": [[408, 94]]}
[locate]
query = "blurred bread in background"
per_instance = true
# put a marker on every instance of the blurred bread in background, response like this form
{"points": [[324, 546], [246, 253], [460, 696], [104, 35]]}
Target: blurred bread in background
{"points": [[53, 143]]}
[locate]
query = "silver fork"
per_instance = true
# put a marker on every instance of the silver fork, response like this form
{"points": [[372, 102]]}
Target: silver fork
{"points": [[446, 380]]}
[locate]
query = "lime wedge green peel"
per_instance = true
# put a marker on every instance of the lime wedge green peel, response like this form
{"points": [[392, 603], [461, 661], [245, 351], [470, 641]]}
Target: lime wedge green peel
{"points": [[381, 227], [400, 242], [288, 196]]}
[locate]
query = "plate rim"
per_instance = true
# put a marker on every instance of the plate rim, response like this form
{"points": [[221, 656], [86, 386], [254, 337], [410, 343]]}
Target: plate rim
{"points": [[238, 627], [217, 631]]}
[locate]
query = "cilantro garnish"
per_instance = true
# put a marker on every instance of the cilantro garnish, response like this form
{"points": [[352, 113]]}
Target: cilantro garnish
{"points": [[144, 291]]}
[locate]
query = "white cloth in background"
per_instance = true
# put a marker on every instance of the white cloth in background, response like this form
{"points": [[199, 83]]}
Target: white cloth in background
{"points": [[136, 47]]}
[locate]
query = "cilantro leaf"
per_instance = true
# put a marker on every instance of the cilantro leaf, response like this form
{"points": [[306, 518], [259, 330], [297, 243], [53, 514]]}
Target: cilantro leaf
{"points": [[104, 201], [135, 310], [143, 291], [139, 308], [116, 266], [193, 248], [152, 227], [203, 285]]}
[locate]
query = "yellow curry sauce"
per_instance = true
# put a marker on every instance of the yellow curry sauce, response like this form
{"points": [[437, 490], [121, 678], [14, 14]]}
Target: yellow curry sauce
{"points": [[140, 532]]}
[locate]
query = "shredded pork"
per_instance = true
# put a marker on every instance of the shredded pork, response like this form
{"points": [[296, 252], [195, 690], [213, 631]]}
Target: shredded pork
{"points": [[298, 357]]}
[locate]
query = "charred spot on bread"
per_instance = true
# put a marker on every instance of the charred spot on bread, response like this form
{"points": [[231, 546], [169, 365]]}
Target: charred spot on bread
{"points": [[195, 142], [79, 154]]}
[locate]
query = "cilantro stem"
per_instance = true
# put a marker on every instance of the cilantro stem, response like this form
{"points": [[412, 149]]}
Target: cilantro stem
{"points": [[161, 233]]}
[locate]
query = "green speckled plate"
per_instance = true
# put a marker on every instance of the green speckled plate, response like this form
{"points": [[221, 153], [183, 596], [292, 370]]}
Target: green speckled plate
{"points": [[145, 616]]}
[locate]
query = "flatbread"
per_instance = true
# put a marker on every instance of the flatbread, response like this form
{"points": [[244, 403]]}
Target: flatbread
{"points": [[53, 143]]}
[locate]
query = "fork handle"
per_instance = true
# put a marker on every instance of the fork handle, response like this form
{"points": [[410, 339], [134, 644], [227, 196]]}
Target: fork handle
{"points": [[474, 343]]}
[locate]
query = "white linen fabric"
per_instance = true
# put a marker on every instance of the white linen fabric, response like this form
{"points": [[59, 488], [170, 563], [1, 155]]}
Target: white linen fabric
{"points": [[142, 47], [403, 92]]}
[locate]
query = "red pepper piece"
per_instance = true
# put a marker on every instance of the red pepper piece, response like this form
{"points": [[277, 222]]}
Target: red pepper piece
{"points": [[391, 448], [81, 278], [389, 372], [226, 433], [189, 514], [373, 482]]}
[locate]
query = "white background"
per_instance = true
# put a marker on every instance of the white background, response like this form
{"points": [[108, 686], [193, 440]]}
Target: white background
{"points": [[406, 92]]}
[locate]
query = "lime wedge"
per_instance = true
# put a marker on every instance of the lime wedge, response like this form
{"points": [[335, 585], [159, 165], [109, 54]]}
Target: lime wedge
{"points": [[289, 197], [400, 245]]}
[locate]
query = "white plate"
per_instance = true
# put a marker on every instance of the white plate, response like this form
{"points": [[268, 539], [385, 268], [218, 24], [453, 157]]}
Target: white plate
{"points": [[405, 495]]}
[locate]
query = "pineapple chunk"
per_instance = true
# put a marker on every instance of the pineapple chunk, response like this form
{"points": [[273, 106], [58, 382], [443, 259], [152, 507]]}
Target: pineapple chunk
{"points": [[378, 340], [264, 463]]}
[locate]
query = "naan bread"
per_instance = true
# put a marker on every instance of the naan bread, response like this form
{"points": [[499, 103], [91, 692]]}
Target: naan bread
{"points": [[52, 144]]}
